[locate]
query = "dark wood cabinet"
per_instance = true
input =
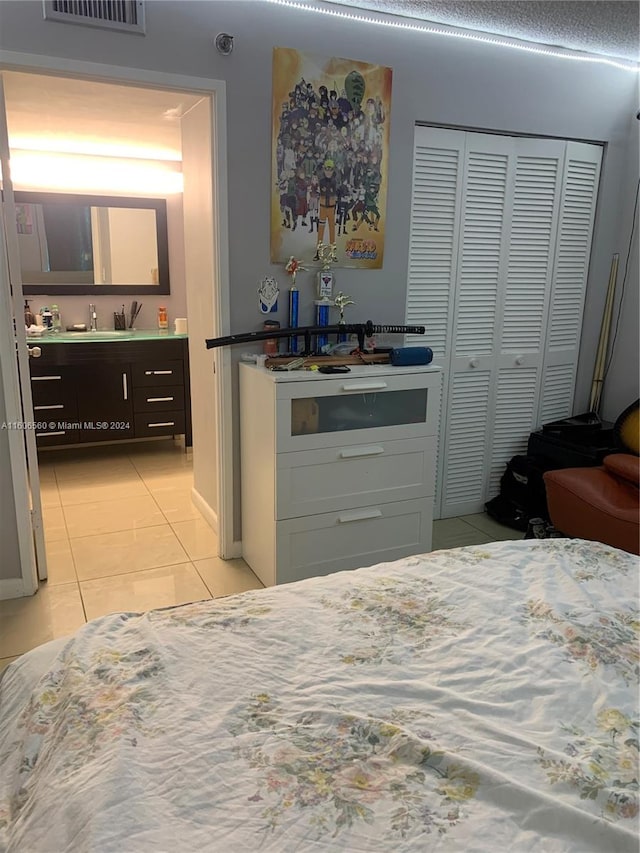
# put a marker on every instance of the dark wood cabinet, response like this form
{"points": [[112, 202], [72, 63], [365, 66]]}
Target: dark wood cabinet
{"points": [[110, 391], [105, 404]]}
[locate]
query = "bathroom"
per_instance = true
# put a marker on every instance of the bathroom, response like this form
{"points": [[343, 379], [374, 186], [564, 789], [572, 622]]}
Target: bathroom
{"points": [[124, 527]]}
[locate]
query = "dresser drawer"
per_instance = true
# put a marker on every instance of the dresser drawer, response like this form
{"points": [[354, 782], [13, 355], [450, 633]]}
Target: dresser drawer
{"points": [[165, 399], [160, 423], [157, 373], [338, 478], [330, 542], [327, 412]]}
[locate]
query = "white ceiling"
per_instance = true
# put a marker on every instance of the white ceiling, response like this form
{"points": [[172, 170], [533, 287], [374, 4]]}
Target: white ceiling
{"points": [[607, 27]]}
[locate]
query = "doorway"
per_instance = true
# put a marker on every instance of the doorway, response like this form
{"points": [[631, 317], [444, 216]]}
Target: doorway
{"points": [[132, 89]]}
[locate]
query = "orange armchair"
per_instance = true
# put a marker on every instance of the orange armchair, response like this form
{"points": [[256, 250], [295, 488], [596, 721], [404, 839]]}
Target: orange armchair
{"points": [[601, 504]]}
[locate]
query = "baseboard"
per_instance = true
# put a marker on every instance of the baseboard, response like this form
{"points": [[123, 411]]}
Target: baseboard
{"points": [[11, 588], [208, 513]]}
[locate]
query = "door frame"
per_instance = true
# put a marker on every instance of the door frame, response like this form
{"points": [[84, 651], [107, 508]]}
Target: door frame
{"points": [[216, 91]]}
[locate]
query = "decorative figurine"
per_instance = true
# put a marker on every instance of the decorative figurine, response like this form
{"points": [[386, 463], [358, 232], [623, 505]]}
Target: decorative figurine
{"points": [[293, 267], [341, 301], [268, 292]]}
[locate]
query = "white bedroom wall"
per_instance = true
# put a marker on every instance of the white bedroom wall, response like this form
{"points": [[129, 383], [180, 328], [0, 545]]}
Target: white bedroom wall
{"points": [[436, 80]]}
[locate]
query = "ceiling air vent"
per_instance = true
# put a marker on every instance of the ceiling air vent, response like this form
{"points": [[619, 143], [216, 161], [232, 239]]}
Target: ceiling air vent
{"points": [[113, 14]]}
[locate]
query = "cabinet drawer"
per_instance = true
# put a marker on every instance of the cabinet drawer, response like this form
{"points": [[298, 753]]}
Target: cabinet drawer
{"points": [[53, 438], [166, 398], [51, 388], [331, 542], [160, 423], [339, 478], [157, 373]]}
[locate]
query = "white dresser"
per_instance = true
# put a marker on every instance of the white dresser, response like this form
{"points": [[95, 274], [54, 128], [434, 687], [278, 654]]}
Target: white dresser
{"points": [[338, 470]]}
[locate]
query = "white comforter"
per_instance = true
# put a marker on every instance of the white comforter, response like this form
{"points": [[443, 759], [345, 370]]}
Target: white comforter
{"points": [[480, 699]]}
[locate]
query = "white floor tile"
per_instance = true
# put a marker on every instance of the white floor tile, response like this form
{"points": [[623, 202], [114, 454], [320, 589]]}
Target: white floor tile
{"points": [[490, 527], [140, 591], [60, 565], [84, 492], [54, 523], [197, 538], [227, 577], [176, 504], [454, 533], [54, 611], [108, 554], [111, 516]]}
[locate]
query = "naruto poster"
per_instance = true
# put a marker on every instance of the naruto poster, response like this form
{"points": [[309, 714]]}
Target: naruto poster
{"points": [[330, 155]]}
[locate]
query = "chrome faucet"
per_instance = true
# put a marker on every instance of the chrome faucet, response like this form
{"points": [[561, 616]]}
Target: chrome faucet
{"points": [[93, 318]]}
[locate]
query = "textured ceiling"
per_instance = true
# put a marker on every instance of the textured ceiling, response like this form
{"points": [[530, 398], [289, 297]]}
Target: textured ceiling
{"points": [[606, 27]]}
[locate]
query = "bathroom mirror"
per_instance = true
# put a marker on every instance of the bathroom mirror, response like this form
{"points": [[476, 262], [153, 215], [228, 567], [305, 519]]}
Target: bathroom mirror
{"points": [[80, 244]]}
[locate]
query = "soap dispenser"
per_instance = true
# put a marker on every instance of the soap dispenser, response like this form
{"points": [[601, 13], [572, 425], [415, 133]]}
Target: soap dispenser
{"points": [[29, 316]]}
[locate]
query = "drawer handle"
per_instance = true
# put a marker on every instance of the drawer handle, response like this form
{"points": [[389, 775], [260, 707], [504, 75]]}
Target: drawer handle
{"points": [[361, 451], [44, 378], [60, 432], [363, 515], [158, 372], [159, 399], [42, 408], [365, 386], [164, 423], [125, 388]]}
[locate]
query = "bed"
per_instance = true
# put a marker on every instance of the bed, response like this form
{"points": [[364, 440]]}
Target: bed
{"points": [[477, 699]]}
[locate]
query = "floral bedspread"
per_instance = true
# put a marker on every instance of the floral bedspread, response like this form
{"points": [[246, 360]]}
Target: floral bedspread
{"points": [[479, 699]]}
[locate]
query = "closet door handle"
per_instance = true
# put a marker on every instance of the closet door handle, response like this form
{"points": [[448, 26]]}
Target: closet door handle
{"points": [[360, 451], [365, 386], [125, 389], [362, 515], [474, 362], [519, 359]]}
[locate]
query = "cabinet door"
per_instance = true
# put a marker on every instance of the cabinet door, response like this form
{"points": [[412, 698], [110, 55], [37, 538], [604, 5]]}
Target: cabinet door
{"points": [[105, 408]]}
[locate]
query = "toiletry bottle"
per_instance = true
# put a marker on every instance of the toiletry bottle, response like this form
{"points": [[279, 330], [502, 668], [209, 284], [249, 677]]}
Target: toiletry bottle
{"points": [[47, 318], [56, 320], [163, 319]]}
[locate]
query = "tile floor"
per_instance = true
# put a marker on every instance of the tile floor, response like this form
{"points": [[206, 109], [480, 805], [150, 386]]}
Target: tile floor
{"points": [[122, 534]]}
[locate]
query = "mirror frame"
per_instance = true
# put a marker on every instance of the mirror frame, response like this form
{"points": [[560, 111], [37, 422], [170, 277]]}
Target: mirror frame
{"points": [[157, 204]]}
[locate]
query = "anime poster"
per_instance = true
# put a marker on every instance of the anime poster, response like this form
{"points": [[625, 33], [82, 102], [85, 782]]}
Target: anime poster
{"points": [[330, 156]]}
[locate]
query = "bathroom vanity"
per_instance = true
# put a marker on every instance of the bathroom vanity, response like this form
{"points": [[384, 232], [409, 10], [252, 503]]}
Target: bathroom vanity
{"points": [[109, 386]]}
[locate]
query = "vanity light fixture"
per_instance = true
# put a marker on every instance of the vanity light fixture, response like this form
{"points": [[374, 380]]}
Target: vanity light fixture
{"points": [[85, 173], [498, 41]]}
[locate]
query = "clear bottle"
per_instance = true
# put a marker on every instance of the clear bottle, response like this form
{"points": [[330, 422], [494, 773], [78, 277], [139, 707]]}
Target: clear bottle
{"points": [[56, 320], [163, 319]]}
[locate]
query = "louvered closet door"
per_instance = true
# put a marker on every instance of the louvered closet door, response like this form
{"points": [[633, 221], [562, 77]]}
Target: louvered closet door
{"points": [[486, 208], [581, 176], [435, 205], [497, 272]]}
